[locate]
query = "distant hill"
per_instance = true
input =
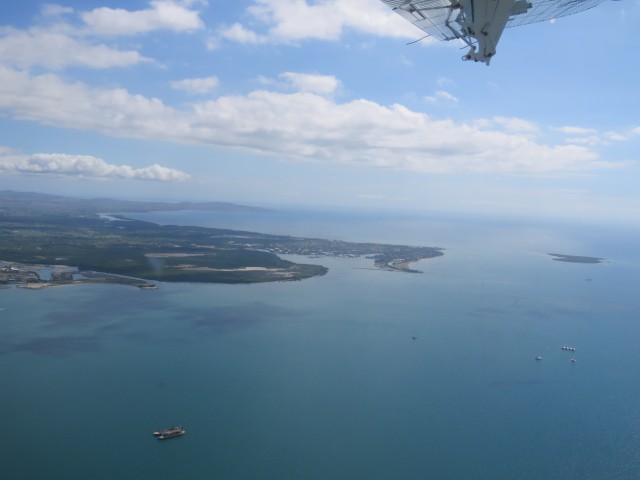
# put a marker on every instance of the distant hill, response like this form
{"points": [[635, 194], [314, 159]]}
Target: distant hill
{"points": [[25, 202]]}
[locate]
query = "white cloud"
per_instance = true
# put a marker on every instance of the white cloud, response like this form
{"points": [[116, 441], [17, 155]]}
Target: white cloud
{"points": [[591, 136], [516, 125], [266, 81], [444, 81], [405, 61], [240, 34], [300, 126], [320, 84], [572, 130], [163, 15], [58, 48], [442, 97], [82, 166], [615, 136], [196, 85], [290, 21], [212, 43], [62, 43], [590, 140], [53, 10]]}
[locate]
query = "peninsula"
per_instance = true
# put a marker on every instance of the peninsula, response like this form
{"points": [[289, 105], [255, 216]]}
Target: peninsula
{"points": [[37, 229]]}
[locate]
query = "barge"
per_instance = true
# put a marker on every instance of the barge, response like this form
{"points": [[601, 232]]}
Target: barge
{"points": [[168, 433]]}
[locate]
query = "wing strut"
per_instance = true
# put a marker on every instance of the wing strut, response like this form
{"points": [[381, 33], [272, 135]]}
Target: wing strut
{"points": [[485, 24], [480, 23]]}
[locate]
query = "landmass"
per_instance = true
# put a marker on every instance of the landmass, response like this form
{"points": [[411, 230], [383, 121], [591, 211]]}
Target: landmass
{"points": [[102, 245], [575, 258], [27, 203], [36, 276]]}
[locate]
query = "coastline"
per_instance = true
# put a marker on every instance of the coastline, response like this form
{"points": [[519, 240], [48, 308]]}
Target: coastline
{"points": [[29, 276]]}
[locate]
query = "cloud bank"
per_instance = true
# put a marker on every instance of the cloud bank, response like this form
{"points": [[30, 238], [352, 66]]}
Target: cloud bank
{"points": [[302, 125], [196, 85], [320, 84], [163, 15], [55, 49], [291, 21], [297, 117], [82, 166], [64, 44]]}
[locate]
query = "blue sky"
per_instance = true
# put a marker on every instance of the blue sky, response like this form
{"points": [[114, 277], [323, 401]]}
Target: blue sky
{"points": [[319, 103]]}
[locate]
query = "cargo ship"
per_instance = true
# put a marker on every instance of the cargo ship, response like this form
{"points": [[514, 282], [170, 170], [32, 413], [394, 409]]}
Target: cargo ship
{"points": [[168, 433]]}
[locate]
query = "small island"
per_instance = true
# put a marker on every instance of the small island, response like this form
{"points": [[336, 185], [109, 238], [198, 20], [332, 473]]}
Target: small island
{"points": [[559, 257], [91, 241]]}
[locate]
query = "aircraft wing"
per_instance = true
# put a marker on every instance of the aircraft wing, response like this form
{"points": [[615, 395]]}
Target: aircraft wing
{"points": [[544, 10], [480, 23]]}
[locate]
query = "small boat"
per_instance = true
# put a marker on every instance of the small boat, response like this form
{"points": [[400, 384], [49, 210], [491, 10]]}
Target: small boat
{"points": [[573, 360], [537, 358], [167, 433]]}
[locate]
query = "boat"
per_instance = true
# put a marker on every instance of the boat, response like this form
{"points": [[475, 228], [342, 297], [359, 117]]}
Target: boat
{"points": [[537, 358], [168, 433]]}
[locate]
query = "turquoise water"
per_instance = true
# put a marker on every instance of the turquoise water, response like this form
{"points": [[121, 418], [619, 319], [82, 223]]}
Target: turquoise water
{"points": [[321, 379]]}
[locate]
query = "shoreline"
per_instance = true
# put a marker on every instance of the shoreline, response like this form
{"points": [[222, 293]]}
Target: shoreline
{"points": [[27, 276]]}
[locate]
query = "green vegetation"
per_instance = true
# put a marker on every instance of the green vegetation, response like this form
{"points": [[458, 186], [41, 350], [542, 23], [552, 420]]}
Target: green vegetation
{"points": [[38, 229]]}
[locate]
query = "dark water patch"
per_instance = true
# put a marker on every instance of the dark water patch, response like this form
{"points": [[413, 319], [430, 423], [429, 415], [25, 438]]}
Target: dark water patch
{"points": [[534, 313], [53, 346], [155, 338], [107, 310], [521, 383], [487, 312], [227, 319], [72, 321]]}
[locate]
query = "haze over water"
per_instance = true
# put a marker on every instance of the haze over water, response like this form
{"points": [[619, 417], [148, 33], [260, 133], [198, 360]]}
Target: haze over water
{"points": [[321, 379]]}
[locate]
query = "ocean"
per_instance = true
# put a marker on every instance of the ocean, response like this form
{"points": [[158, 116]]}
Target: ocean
{"points": [[321, 379]]}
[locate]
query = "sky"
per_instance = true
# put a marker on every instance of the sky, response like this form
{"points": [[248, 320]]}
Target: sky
{"points": [[319, 103]]}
